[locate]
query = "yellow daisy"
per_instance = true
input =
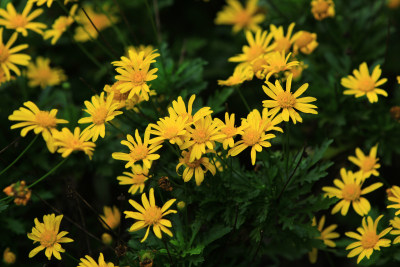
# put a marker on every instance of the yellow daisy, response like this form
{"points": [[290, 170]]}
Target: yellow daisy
{"points": [[137, 178], [112, 217], [395, 197], [32, 118], [172, 129], [282, 42], [287, 101], [147, 49], [119, 97], [253, 136], [305, 42], [349, 191], [396, 224], [21, 22], [101, 110], [367, 239], [267, 120], [67, 142], [247, 18], [136, 59], [90, 262], [194, 167], [178, 109], [150, 215], [258, 45], [139, 151], [240, 74], [229, 130], [40, 74], [60, 26], [47, 234], [322, 9], [368, 164], [9, 57], [296, 71], [325, 235], [362, 83], [42, 2], [277, 62]]}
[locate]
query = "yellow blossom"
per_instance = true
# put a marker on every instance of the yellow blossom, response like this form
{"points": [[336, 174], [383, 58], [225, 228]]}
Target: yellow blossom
{"points": [[322, 9], [67, 142], [305, 42], [277, 62], [229, 130], [60, 26], [41, 74], [240, 74], [90, 262], [396, 224], [137, 178], [395, 197], [9, 256], [282, 42], [368, 164], [178, 109], [112, 217]]}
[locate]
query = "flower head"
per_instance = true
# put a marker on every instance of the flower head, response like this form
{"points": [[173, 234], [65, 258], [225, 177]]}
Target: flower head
{"points": [[9, 57], [349, 191], [362, 83], [325, 235], [178, 109], [137, 59], [9, 256], [119, 97], [112, 217], [147, 49], [276, 62], [137, 178], [19, 191], [101, 110], [368, 164], [169, 128], [246, 18], [139, 151], [287, 101], [240, 74], [90, 262], [67, 142], [396, 224], [229, 130], [322, 9], [394, 197], [40, 74], [150, 215], [367, 239], [60, 26], [305, 42], [47, 234], [282, 42]]}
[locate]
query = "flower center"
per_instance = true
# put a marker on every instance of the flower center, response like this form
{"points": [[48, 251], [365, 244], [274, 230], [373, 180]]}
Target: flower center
{"points": [[229, 131], [200, 136], [139, 178], [48, 238], [138, 77], [368, 164], [140, 152], [100, 115], [251, 137], [258, 63], [4, 54], [254, 52], [282, 44], [286, 100], [152, 215], [44, 74], [170, 132], [18, 21], [304, 39], [369, 240], [243, 18], [100, 20], [321, 7], [351, 192], [44, 119], [366, 84]]}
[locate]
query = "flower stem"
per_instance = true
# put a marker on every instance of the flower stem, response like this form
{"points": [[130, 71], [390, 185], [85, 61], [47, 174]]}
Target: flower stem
{"points": [[243, 99], [20, 155], [48, 173]]}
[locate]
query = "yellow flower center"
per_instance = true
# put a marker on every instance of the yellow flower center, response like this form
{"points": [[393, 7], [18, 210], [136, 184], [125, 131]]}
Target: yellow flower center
{"points": [[44, 119], [139, 178], [258, 63], [100, 115], [138, 77], [152, 215], [100, 20], [368, 164], [229, 131], [369, 240], [170, 132], [243, 18], [366, 84], [48, 238], [321, 7], [251, 137], [351, 192], [4, 54], [18, 21], [254, 52], [304, 39], [282, 44], [200, 136], [44, 74], [286, 100], [140, 152]]}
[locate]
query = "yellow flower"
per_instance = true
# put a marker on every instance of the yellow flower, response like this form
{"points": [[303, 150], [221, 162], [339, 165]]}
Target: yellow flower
{"points": [[40, 74], [393, 4], [349, 191], [267, 120], [362, 83], [150, 215], [246, 18], [201, 136], [86, 31], [147, 49], [368, 239], [90, 262], [69, 142], [42, 2], [101, 110], [395, 197], [253, 136], [368, 164], [9, 57], [178, 109], [133, 103], [139, 151], [287, 101], [137, 178], [398, 79], [136, 59], [396, 224], [9, 256], [305, 41], [325, 235], [296, 71], [258, 45], [106, 239], [20, 192], [35, 119], [229, 130], [282, 42], [240, 74], [194, 167], [119, 97], [112, 217], [172, 129], [21, 22], [322, 9], [47, 234], [276, 63], [60, 26]]}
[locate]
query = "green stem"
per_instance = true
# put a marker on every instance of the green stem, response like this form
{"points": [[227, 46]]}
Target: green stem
{"points": [[287, 153], [47, 174], [20, 155], [152, 21], [71, 257], [243, 99]]}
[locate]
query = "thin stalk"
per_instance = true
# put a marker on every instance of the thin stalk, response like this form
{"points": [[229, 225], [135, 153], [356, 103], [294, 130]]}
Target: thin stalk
{"points": [[243, 99], [126, 21], [20, 155], [287, 153], [152, 21], [48, 173], [169, 254]]}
